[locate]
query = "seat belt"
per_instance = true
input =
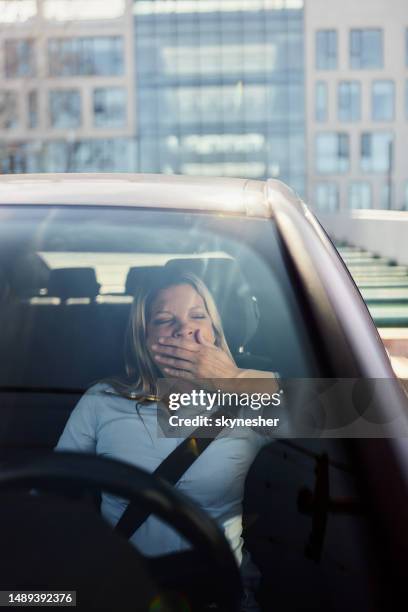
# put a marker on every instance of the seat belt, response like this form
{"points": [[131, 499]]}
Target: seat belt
{"points": [[172, 469]]}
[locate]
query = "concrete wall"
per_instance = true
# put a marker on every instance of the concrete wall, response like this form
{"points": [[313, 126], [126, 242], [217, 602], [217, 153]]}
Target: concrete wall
{"points": [[382, 232]]}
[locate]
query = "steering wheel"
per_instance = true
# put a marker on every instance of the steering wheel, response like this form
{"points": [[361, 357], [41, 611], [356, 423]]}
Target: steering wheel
{"points": [[210, 564]]}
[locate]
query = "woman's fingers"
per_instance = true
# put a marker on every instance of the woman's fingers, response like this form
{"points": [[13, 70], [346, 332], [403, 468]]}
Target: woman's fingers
{"points": [[199, 360], [182, 343], [172, 361], [172, 351]]}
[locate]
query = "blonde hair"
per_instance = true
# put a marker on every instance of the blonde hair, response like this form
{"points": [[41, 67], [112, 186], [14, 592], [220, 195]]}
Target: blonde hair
{"points": [[139, 364]]}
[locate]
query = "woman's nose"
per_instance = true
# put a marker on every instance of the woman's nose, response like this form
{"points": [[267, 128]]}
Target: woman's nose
{"points": [[184, 330]]}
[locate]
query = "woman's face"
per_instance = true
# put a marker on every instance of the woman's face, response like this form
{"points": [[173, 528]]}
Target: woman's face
{"points": [[179, 312]]}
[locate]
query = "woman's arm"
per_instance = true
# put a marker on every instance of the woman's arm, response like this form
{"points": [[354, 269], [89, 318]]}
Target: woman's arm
{"points": [[80, 430]]}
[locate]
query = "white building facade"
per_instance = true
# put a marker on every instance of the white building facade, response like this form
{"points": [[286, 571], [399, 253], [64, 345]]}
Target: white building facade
{"points": [[356, 87], [66, 86]]}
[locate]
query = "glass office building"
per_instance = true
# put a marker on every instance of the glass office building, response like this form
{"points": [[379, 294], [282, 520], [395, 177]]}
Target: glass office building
{"points": [[220, 88]]}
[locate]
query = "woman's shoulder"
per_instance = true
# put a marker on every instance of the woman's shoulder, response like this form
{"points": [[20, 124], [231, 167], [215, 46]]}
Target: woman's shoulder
{"points": [[100, 388], [111, 388], [99, 395], [111, 396]]}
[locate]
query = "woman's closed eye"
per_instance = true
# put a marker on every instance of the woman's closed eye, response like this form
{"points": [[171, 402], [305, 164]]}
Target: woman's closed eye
{"points": [[169, 320], [162, 322]]}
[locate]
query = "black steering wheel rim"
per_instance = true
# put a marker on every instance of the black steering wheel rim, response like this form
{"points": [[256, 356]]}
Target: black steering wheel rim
{"points": [[81, 471]]}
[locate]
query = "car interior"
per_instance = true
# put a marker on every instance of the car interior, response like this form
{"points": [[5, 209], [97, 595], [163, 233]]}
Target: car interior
{"points": [[63, 328]]}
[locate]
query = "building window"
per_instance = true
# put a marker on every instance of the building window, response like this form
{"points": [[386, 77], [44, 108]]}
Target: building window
{"points": [[109, 107], [32, 107], [326, 50], [94, 155], [406, 99], [406, 47], [382, 100], [376, 152], [332, 153], [366, 49], [65, 108], [8, 110], [359, 194], [19, 157], [349, 101], [387, 195], [321, 101], [99, 55], [19, 58], [327, 197], [222, 103]]}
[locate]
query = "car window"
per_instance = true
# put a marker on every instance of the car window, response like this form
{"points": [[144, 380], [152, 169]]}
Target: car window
{"points": [[71, 274]]}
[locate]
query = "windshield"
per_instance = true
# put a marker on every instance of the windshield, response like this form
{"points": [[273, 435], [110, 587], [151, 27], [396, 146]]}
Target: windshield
{"points": [[101, 302], [70, 276]]}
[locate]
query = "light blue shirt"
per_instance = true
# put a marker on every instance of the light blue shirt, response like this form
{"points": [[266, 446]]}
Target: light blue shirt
{"points": [[113, 426]]}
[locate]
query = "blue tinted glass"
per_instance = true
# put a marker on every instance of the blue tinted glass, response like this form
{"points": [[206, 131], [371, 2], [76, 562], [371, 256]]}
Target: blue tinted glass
{"points": [[108, 56], [65, 108], [109, 105], [86, 56], [326, 50], [32, 107], [406, 47], [19, 58], [349, 101], [406, 99], [212, 89], [366, 49], [321, 101], [332, 153], [387, 195], [86, 53], [96, 155], [63, 57], [19, 157], [360, 195], [376, 151], [9, 111], [382, 100], [57, 157], [327, 196], [103, 60]]}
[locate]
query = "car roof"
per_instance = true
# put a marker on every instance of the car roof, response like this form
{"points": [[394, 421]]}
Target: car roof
{"points": [[233, 195]]}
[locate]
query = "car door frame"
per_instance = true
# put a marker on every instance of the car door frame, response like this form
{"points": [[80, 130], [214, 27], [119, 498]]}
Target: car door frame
{"points": [[346, 336]]}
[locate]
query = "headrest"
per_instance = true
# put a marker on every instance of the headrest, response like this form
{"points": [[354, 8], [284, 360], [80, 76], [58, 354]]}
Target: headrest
{"points": [[4, 287], [73, 283], [137, 277], [29, 273], [235, 302]]}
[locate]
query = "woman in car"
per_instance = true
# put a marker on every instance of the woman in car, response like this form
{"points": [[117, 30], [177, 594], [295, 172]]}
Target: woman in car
{"points": [[174, 331]]}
